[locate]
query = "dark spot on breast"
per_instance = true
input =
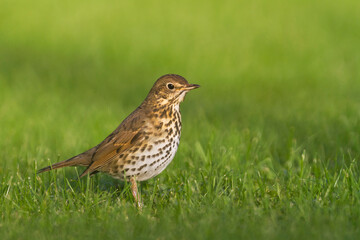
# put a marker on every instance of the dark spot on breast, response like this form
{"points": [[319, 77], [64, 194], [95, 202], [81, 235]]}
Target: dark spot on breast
{"points": [[169, 123], [163, 114], [150, 147], [159, 126], [133, 169], [170, 131], [121, 155], [128, 161], [177, 128], [139, 169], [143, 158], [177, 115], [135, 149], [143, 148], [166, 146]]}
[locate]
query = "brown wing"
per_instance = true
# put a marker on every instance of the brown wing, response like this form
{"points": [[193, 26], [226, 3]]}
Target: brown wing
{"points": [[128, 134]]}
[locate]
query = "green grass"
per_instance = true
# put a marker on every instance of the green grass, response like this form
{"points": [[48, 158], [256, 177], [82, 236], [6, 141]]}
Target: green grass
{"points": [[270, 145]]}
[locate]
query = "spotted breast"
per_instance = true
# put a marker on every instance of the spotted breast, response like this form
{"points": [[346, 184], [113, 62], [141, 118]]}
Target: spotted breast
{"points": [[144, 144], [150, 157]]}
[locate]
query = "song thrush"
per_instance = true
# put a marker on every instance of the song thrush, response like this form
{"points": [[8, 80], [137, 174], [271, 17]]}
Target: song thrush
{"points": [[144, 144]]}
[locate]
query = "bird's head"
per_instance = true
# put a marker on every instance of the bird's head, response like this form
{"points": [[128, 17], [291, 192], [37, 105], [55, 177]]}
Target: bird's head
{"points": [[170, 89]]}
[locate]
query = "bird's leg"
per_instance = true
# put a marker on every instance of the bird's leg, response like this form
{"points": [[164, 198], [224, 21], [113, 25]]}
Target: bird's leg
{"points": [[135, 193]]}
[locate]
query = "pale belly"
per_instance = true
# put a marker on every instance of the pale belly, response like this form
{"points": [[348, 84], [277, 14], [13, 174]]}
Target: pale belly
{"points": [[161, 157], [150, 159]]}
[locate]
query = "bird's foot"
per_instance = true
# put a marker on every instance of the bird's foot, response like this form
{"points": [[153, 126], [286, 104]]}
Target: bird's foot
{"points": [[135, 193]]}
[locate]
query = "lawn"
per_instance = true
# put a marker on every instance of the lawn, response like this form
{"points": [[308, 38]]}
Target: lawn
{"points": [[270, 144]]}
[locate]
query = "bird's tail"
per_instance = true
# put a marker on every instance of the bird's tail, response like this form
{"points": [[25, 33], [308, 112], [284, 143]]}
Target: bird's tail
{"points": [[83, 159]]}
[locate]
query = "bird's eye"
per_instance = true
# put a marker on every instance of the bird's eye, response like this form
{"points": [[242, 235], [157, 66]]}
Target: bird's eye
{"points": [[170, 86]]}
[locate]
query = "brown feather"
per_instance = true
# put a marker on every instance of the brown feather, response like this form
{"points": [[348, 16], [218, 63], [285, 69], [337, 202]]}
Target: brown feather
{"points": [[141, 125], [83, 159], [123, 138]]}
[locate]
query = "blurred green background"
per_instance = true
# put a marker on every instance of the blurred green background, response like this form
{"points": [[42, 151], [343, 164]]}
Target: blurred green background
{"points": [[279, 79], [289, 69]]}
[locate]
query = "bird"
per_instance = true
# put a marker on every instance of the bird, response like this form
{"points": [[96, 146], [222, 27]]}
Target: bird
{"points": [[144, 143]]}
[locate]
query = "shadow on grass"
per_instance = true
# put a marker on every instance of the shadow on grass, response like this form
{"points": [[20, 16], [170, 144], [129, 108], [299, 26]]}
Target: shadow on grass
{"points": [[69, 180]]}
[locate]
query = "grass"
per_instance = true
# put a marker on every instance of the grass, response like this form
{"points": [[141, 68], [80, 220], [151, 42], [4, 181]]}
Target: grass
{"points": [[270, 144]]}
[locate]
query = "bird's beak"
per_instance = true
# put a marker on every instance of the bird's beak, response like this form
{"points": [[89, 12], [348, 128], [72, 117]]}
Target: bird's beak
{"points": [[191, 87]]}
